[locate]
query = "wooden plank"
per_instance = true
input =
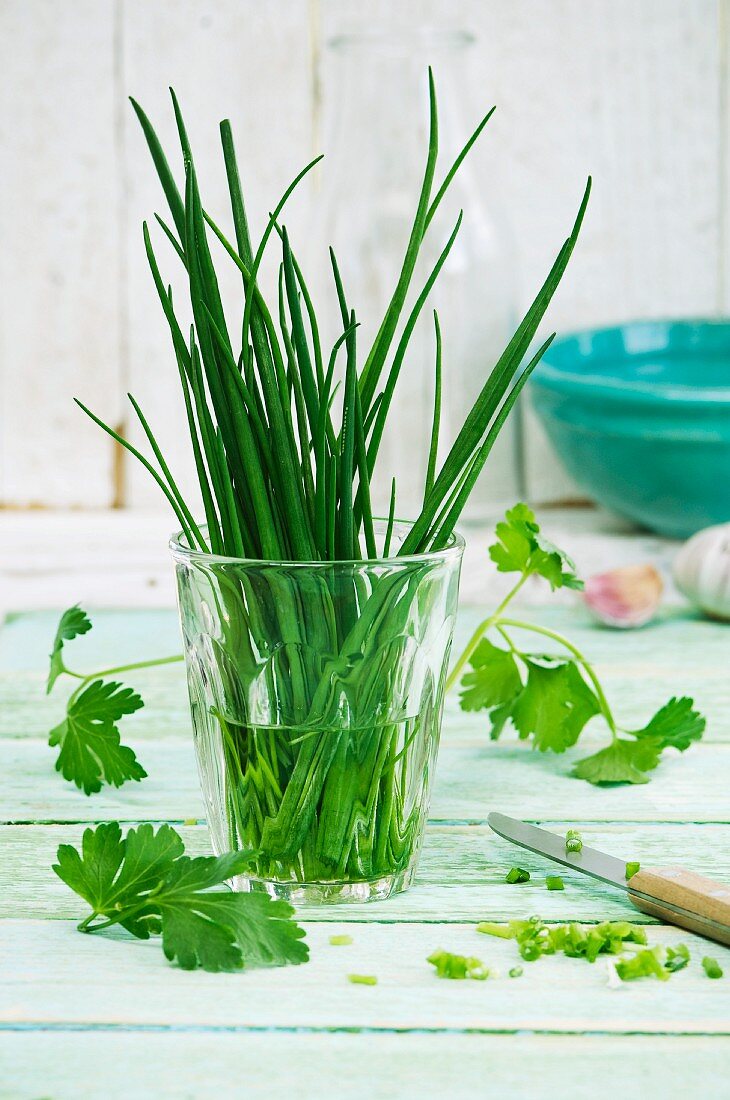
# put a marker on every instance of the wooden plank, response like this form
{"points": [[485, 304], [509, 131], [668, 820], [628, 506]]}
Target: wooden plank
{"points": [[247, 61], [100, 559], [58, 979], [471, 779], [629, 86], [388, 1066], [460, 877], [59, 251]]}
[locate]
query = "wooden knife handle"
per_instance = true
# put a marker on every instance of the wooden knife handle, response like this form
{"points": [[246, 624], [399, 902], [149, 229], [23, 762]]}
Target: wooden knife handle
{"points": [[702, 897]]}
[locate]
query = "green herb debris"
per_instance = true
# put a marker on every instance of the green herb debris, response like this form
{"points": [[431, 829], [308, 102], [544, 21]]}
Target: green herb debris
{"points": [[145, 883], [516, 972], [534, 938], [341, 941], [554, 882], [458, 966], [632, 867], [551, 698], [711, 967], [517, 874], [362, 979], [648, 963], [677, 957]]}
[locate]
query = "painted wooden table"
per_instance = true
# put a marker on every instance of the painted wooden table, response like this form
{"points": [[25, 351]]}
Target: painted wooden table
{"points": [[84, 1016]]}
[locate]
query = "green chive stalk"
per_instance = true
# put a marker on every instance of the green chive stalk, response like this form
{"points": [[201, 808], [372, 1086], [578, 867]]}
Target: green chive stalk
{"points": [[320, 777]]}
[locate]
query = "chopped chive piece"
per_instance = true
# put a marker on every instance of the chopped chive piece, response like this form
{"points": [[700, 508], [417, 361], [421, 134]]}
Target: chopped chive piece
{"points": [[554, 882], [573, 841], [458, 966], [362, 979], [517, 874], [490, 929], [340, 941], [190, 821], [516, 972], [677, 958], [644, 964], [534, 938], [711, 967], [631, 869]]}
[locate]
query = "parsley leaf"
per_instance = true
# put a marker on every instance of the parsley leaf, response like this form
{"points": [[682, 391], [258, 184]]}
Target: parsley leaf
{"points": [[675, 725], [145, 883], [621, 762], [89, 740], [73, 622], [91, 752], [495, 679], [522, 549], [554, 706]]}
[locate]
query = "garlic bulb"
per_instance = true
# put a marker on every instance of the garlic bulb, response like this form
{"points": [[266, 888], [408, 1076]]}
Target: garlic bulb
{"points": [[624, 597], [702, 570]]}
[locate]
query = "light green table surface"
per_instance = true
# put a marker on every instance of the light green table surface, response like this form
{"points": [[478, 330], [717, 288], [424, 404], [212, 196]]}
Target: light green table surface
{"points": [[95, 1017]]}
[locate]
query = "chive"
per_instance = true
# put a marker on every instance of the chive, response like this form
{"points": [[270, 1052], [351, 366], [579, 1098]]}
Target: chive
{"points": [[391, 519], [677, 958], [517, 874], [573, 841], [711, 967], [340, 941], [436, 421], [362, 979], [554, 882], [516, 972], [490, 929], [631, 869]]}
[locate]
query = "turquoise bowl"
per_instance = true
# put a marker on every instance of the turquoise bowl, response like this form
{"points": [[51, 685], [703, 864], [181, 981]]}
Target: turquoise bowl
{"points": [[640, 418]]}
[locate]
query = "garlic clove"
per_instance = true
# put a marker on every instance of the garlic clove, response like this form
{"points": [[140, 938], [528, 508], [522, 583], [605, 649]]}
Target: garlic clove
{"points": [[702, 570], [624, 597]]}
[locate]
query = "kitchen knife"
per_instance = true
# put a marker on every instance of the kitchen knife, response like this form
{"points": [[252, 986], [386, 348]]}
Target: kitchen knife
{"points": [[673, 894]]}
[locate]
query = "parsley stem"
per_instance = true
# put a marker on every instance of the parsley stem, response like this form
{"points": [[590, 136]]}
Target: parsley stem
{"points": [[587, 666], [124, 668], [479, 633]]}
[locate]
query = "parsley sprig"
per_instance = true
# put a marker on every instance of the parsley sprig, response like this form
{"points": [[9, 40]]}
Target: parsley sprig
{"points": [[145, 883], [88, 739], [551, 698]]}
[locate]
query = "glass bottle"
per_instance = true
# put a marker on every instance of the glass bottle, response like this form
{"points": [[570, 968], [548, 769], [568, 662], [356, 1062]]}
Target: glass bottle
{"points": [[375, 140]]}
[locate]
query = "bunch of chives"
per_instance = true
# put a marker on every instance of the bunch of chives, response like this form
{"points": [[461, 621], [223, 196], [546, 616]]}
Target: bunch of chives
{"points": [[279, 479]]}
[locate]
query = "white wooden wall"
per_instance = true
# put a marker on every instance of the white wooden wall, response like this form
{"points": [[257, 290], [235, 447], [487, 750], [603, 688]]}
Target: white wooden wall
{"points": [[634, 91]]}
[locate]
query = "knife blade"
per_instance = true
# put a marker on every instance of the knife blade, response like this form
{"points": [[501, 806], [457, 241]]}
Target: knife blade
{"points": [[544, 843], [676, 895]]}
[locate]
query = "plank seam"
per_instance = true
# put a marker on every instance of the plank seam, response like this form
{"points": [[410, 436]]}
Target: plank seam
{"points": [[302, 1029]]}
